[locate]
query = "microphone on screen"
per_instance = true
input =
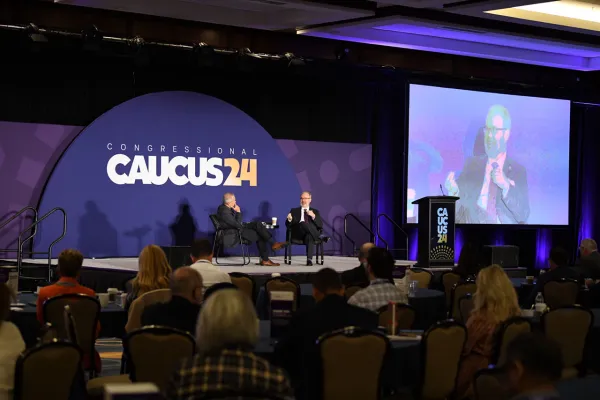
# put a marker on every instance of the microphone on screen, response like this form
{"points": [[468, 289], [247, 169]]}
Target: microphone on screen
{"points": [[442, 190]]}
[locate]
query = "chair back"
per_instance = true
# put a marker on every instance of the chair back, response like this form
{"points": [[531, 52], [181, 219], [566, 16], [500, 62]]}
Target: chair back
{"points": [[245, 283], [47, 371], [70, 324], [465, 306], [441, 350], [134, 319], [489, 384], [569, 327], [352, 360], [282, 284], [405, 317], [506, 333], [449, 280], [351, 290], [460, 290], [154, 352], [85, 312], [214, 218], [422, 276], [560, 293]]}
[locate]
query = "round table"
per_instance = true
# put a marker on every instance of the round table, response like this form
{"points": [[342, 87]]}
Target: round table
{"points": [[112, 319], [430, 307]]}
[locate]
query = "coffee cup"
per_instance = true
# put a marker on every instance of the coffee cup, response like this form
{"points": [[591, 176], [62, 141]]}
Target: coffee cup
{"points": [[529, 279], [274, 221], [112, 294], [527, 313], [540, 307], [103, 298], [123, 297]]}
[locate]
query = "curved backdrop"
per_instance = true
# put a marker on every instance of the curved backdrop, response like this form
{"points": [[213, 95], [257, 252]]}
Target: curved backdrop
{"points": [[128, 178]]}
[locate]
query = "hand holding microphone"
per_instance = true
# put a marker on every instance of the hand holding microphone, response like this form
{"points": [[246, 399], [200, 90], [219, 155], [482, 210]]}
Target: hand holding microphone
{"points": [[289, 217], [310, 214]]}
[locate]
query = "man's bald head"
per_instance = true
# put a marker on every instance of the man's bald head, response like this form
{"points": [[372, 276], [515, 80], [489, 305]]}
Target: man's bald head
{"points": [[588, 246], [364, 251], [187, 282], [228, 198]]}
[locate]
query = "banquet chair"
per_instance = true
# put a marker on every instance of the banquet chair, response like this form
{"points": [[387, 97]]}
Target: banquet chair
{"points": [[422, 276], [459, 291], [245, 283], [351, 290], [282, 284], [405, 317], [47, 371], [465, 305], [489, 384], [510, 329], [84, 310], [218, 243], [134, 319], [560, 293], [569, 327], [352, 361], [441, 350], [319, 248], [449, 279]]}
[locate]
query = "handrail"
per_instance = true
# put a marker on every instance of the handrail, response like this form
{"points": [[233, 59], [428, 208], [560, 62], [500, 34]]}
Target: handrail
{"points": [[37, 222], [9, 220], [361, 224], [397, 226]]}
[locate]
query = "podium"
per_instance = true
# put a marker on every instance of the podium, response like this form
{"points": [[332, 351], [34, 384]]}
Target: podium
{"points": [[436, 231]]}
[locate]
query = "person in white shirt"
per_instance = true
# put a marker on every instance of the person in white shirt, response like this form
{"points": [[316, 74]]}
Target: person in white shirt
{"points": [[11, 345], [202, 255]]}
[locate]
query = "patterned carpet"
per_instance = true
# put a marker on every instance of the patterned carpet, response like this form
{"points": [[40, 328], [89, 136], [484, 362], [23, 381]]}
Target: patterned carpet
{"points": [[110, 350]]}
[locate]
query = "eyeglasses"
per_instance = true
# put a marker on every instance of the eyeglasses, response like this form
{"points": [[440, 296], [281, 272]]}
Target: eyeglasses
{"points": [[305, 198], [493, 130]]}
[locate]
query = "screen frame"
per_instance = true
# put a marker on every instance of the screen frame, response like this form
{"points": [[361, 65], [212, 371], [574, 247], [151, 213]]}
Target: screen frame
{"points": [[486, 87]]}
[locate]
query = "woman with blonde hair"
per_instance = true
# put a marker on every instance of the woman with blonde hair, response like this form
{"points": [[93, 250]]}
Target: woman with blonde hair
{"points": [[495, 301], [225, 364], [153, 273]]}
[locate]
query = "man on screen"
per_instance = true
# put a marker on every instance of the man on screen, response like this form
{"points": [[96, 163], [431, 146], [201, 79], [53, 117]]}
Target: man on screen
{"points": [[492, 188]]}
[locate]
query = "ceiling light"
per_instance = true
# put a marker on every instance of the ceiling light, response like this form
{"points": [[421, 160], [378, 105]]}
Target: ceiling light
{"points": [[566, 9]]}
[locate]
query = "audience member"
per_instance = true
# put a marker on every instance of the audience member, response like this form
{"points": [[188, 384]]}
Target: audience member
{"points": [[589, 259], [468, 262], [495, 301], [11, 345], [225, 364], [380, 267], [297, 352], [182, 311], [558, 261], [216, 287], [202, 255], [153, 273], [534, 365], [358, 276]]}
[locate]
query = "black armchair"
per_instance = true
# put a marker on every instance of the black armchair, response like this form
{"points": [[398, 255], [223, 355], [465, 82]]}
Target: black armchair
{"points": [[218, 243], [287, 258]]}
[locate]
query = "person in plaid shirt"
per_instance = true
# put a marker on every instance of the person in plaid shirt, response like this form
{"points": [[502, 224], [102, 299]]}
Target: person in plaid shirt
{"points": [[381, 289], [226, 333]]}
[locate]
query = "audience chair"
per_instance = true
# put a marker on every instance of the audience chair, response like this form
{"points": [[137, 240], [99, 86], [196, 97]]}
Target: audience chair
{"points": [[422, 276], [405, 317], [352, 361], [489, 384], [245, 283], [560, 293], [506, 333], [154, 353], [319, 248], [460, 290], [351, 290], [218, 243], [569, 327], [282, 284], [441, 350], [84, 310], [48, 371], [134, 319], [465, 305], [449, 280], [212, 289]]}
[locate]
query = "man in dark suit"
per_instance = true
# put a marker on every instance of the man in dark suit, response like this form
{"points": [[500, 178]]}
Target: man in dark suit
{"points": [[558, 260], [230, 217], [589, 260], [358, 276], [182, 311], [297, 353], [306, 224], [492, 188]]}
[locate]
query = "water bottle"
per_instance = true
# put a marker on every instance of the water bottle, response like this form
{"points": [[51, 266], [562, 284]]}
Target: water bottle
{"points": [[539, 299]]}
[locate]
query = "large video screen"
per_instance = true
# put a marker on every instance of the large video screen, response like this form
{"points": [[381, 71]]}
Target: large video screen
{"points": [[506, 157]]}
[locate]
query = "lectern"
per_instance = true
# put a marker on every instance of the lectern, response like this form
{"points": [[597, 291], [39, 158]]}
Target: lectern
{"points": [[436, 231]]}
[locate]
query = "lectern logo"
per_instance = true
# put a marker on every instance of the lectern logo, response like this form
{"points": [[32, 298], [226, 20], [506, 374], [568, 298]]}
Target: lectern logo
{"points": [[442, 225]]}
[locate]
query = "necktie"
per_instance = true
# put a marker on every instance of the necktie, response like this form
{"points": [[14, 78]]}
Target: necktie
{"points": [[302, 217], [491, 203]]}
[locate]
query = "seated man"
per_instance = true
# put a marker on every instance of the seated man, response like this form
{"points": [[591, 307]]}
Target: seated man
{"points": [[182, 311], [297, 352], [357, 276], [381, 290], [230, 216], [589, 261], [201, 256], [305, 224]]}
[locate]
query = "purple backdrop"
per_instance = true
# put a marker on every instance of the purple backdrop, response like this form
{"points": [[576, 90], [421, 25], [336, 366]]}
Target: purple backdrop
{"points": [[108, 219], [443, 127]]}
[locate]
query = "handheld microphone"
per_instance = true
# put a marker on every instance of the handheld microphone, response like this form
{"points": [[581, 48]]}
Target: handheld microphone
{"points": [[442, 190]]}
